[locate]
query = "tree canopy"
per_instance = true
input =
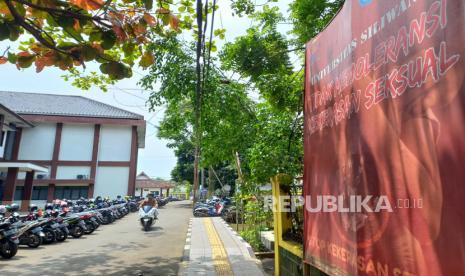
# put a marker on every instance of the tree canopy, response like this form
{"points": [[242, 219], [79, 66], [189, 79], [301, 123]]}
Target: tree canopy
{"points": [[69, 34], [267, 134]]}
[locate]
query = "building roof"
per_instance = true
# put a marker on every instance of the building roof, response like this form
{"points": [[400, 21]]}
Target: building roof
{"points": [[61, 105], [144, 181], [10, 116]]}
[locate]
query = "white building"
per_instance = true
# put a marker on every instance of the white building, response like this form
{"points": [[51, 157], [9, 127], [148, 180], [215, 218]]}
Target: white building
{"points": [[146, 185], [86, 148]]}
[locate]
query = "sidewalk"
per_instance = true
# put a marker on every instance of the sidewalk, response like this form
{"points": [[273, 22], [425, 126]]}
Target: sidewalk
{"points": [[213, 248]]}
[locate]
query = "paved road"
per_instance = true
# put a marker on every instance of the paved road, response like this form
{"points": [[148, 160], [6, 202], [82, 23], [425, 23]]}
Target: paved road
{"points": [[118, 249]]}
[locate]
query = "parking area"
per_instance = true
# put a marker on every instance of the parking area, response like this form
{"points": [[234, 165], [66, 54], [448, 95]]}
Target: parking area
{"points": [[121, 248]]}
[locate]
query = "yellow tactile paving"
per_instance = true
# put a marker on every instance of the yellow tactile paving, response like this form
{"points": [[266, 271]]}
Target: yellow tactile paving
{"points": [[219, 256]]}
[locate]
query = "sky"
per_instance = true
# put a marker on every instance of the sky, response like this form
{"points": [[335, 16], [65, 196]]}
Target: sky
{"points": [[156, 159]]}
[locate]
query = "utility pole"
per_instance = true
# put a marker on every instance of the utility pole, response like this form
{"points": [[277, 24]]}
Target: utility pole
{"points": [[198, 101], [239, 174], [211, 182]]}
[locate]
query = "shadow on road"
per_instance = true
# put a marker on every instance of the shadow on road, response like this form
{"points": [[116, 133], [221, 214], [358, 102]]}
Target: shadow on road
{"points": [[90, 263]]}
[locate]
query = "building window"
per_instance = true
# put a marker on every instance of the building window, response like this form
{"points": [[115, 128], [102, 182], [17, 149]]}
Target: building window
{"points": [[156, 193], [19, 193], [74, 192], [39, 193]]}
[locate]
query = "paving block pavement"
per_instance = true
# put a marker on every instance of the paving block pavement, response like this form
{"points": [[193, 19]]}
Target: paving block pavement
{"points": [[214, 249]]}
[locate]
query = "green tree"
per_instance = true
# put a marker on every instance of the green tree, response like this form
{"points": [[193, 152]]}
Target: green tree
{"points": [[262, 58], [310, 17], [184, 169], [227, 112]]}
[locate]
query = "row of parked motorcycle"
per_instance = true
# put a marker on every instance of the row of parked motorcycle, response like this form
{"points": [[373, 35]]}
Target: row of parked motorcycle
{"points": [[58, 221], [212, 207]]}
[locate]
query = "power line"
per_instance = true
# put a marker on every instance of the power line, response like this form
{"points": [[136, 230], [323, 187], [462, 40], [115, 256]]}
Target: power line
{"points": [[129, 93], [127, 105]]}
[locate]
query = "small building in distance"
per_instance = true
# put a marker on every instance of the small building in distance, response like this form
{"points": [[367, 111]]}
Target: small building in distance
{"points": [[61, 146], [146, 185]]}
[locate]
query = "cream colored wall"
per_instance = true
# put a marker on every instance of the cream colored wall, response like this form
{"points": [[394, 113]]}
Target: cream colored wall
{"points": [[37, 143], [77, 142], [111, 181]]}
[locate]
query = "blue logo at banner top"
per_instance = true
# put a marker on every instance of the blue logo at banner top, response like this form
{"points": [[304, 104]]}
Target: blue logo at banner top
{"points": [[364, 2]]}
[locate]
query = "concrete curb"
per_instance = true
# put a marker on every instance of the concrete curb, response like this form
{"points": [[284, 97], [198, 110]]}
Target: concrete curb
{"points": [[186, 252], [246, 244], [187, 246]]}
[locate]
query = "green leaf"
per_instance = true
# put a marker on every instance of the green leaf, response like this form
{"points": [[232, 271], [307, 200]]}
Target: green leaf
{"points": [[15, 31], [4, 31], [95, 36], [12, 57], [25, 62], [148, 4], [146, 60], [109, 40], [88, 53]]}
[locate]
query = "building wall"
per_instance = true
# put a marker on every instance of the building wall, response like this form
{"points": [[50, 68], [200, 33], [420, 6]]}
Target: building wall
{"points": [[71, 172], [111, 181], [75, 156], [76, 142], [115, 143], [37, 143]]}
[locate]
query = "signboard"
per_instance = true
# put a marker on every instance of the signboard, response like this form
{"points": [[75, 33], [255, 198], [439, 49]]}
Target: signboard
{"points": [[384, 174]]}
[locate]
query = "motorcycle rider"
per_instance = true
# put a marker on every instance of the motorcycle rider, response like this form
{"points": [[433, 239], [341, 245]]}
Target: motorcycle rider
{"points": [[150, 201]]}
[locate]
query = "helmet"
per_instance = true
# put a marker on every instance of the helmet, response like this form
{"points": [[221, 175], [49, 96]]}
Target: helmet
{"points": [[49, 206], [14, 207], [2, 209], [118, 197], [33, 208], [63, 204]]}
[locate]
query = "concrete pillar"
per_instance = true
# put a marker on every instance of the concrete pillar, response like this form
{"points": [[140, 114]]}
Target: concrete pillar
{"points": [[27, 194], [90, 191], [168, 192], [2, 120], [10, 186], [51, 193]]}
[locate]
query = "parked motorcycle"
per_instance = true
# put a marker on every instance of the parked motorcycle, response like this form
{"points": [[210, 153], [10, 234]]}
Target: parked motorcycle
{"points": [[8, 240], [211, 209], [57, 223], [29, 232], [76, 226]]}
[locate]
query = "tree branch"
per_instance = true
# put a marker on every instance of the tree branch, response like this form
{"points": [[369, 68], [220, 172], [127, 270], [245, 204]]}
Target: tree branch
{"points": [[64, 12], [31, 29]]}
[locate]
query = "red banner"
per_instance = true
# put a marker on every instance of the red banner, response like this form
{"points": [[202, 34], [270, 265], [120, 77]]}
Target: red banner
{"points": [[385, 120]]}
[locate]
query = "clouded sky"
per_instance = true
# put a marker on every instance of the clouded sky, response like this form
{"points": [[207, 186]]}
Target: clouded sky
{"points": [[156, 159]]}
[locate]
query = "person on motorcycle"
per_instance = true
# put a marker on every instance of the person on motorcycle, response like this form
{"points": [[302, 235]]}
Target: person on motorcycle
{"points": [[149, 201]]}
